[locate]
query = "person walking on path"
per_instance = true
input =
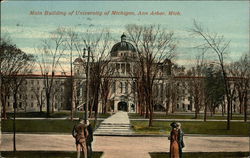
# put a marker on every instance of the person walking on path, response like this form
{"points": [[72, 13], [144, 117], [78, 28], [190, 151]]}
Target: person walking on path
{"points": [[89, 139], [174, 141], [80, 133], [180, 140]]}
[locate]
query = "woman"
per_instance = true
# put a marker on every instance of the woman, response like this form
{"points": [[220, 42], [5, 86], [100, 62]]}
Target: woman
{"points": [[174, 141]]}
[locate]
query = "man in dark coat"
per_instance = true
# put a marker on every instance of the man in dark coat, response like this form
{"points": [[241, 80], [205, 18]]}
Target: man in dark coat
{"points": [[181, 141], [89, 139], [80, 133]]}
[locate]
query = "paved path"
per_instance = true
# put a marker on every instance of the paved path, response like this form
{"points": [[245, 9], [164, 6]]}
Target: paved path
{"points": [[117, 124], [125, 147]]}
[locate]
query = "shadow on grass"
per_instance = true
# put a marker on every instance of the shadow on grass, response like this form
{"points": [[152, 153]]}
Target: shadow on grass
{"points": [[44, 154], [202, 154]]}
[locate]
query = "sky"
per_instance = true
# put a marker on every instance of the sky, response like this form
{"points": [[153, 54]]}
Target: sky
{"points": [[227, 18]]}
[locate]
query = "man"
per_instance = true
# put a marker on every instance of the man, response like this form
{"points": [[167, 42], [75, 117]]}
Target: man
{"points": [[89, 139], [180, 139], [80, 133]]}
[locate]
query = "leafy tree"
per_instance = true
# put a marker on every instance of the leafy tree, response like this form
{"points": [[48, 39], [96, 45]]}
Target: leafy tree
{"points": [[214, 88]]}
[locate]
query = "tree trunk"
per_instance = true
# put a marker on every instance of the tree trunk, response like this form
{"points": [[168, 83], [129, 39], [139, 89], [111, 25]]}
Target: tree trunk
{"points": [[196, 110], [205, 113], [146, 114], [48, 104], [241, 103], [150, 113], [245, 107], [4, 115], [228, 114], [167, 107], [14, 122], [231, 109]]}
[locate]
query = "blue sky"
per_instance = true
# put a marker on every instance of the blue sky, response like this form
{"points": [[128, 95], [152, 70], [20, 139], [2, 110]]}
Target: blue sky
{"points": [[227, 18]]}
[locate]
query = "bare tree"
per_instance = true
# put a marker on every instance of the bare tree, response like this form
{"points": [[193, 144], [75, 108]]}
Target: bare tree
{"points": [[240, 70], [14, 65], [154, 46], [71, 40], [51, 51], [98, 44], [219, 46], [105, 86], [196, 84]]}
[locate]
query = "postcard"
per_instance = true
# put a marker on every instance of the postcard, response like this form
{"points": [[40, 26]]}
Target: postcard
{"points": [[124, 79]]}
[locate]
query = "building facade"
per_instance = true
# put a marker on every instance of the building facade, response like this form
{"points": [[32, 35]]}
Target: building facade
{"points": [[123, 93], [31, 95]]}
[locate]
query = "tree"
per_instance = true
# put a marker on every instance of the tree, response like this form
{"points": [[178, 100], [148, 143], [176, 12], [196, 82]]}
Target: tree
{"points": [[71, 39], [214, 88], [196, 84], [240, 69], [14, 65], [154, 46], [218, 45], [98, 45], [105, 86], [51, 50]]}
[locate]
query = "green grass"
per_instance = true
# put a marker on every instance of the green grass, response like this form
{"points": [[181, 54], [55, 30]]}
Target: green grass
{"points": [[204, 155], [176, 116], [41, 126], [61, 114], [214, 128], [44, 154]]}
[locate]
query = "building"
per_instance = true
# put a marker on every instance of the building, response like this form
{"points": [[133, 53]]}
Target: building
{"points": [[122, 91], [31, 95]]}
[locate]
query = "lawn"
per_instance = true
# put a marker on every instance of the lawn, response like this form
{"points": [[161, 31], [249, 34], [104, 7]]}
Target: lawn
{"points": [[183, 116], [41, 126], [61, 114], [44, 154], [191, 127], [204, 155]]}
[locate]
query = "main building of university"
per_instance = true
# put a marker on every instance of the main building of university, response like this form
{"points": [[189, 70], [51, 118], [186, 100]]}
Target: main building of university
{"points": [[122, 94]]}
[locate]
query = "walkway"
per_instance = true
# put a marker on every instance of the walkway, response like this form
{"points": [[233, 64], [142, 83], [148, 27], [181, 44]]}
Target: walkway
{"points": [[117, 124], [125, 147]]}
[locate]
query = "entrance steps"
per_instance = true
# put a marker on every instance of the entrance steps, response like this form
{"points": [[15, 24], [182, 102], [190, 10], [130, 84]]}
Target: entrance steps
{"points": [[117, 124]]}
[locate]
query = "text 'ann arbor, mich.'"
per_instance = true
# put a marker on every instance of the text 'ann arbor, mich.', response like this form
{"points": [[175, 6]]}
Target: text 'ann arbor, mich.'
{"points": [[106, 13]]}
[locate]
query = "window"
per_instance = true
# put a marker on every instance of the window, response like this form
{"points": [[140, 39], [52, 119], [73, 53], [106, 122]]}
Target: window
{"points": [[128, 68], [114, 87], [32, 105], [126, 87], [117, 67], [121, 84], [123, 68]]}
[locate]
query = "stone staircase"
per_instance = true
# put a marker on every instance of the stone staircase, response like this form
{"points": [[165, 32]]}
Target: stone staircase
{"points": [[117, 124]]}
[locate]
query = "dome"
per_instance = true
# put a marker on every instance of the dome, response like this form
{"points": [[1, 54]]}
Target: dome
{"points": [[122, 46], [78, 60]]}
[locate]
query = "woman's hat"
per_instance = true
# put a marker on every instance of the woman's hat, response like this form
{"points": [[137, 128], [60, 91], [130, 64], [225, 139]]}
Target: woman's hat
{"points": [[173, 124]]}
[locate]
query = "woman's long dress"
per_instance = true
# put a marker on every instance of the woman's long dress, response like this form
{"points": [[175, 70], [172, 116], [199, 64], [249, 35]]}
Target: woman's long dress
{"points": [[174, 146]]}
